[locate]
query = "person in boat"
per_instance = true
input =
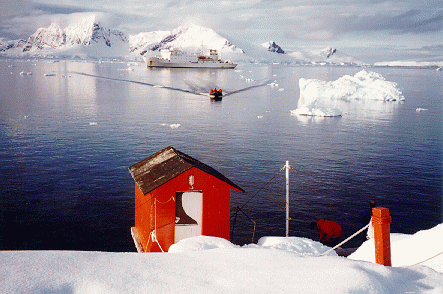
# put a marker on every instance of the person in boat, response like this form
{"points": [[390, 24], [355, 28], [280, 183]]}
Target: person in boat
{"points": [[216, 92], [330, 231]]}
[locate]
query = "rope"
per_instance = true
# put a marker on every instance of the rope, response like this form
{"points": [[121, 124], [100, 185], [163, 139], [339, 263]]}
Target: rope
{"points": [[427, 259], [246, 203], [267, 183], [155, 200], [338, 245], [255, 224], [172, 198], [235, 219], [361, 230], [154, 239], [153, 235]]}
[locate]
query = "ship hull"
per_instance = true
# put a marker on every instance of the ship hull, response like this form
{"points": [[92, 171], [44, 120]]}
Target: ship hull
{"points": [[158, 62]]}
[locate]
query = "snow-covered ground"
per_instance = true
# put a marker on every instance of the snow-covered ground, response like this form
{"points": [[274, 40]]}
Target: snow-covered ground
{"points": [[213, 265], [321, 98]]}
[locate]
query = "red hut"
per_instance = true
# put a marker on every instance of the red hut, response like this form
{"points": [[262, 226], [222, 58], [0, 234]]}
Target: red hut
{"points": [[177, 197]]}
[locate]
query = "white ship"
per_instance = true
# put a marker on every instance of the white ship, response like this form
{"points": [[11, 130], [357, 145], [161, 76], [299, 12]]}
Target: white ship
{"points": [[176, 58]]}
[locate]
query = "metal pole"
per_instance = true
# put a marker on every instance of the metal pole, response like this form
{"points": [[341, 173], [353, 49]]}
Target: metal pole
{"points": [[287, 198]]}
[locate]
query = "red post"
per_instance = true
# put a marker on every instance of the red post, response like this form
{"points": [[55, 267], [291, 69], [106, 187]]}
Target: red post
{"points": [[382, 238]]}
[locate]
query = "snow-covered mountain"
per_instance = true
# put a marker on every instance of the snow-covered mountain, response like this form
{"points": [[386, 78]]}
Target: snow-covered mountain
{"points": [[191, 39], [324, 56], [89, 39], [84, 39], [272, 47]]}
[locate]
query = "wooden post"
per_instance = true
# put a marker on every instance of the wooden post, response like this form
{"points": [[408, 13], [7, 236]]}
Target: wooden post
{"points": [[382, 239]]}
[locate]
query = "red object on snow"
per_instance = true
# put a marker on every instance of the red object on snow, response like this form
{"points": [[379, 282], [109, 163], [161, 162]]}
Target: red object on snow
{"points": [[382, 235], [176, 197]]}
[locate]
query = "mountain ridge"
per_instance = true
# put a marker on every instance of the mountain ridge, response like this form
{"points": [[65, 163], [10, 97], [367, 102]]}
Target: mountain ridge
{"points": [[89, 39]]}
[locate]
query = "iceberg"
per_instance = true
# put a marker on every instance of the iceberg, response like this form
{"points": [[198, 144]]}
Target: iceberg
{"points": [[26, 73], [320, 98], [172, 126]]}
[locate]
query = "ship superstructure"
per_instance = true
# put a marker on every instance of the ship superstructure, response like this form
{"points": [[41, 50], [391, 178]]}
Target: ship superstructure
{"points": [[177, 58]]}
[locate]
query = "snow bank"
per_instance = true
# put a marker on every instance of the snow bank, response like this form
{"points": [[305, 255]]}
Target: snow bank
{"points": [[213, 265], [299, 246], [409, 249], [320, 98], [200, 243]]}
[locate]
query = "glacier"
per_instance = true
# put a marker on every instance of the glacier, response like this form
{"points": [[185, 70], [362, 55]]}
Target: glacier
{"points": [[321, 98]]}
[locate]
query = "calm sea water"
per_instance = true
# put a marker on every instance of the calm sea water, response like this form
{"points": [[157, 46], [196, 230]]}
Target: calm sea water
{"points": [[67, 140]]}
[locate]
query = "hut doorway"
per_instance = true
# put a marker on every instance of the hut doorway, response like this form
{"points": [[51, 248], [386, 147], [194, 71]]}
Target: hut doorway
{"points": [[188, 214]]}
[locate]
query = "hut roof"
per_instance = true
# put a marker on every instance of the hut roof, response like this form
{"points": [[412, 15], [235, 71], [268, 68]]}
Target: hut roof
{"points": [[165, 165]]}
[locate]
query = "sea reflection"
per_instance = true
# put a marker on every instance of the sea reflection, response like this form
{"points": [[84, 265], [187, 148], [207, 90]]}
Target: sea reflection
{"points": [[369, 111]]}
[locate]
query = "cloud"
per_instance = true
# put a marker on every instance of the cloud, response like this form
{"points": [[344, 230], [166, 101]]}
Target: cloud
{"points": [[317, 35], [173, 4], [331, 27], [21, 18], [297, 23], [9, 8], [412, 21], [59, 9]]}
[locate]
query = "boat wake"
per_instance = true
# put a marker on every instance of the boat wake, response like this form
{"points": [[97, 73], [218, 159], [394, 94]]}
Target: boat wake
{"points": [[193, 89]]}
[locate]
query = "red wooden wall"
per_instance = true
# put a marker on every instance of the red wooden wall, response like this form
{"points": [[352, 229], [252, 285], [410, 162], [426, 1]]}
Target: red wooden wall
{"points": [[216, 208]]}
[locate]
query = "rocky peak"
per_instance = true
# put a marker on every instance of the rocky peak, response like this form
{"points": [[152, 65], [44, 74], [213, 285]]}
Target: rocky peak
{"points": [[273, 47]]}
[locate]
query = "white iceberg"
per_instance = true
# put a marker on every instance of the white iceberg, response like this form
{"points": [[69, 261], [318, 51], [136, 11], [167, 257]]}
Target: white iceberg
{"points": [[320, 98], [26, 73], [172, 126]]}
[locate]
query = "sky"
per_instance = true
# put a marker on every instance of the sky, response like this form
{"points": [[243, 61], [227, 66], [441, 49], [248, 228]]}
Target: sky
{"points": [[395, 29]]}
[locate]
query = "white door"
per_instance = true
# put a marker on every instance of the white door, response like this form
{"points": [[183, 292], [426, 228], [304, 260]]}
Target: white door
{"points": [[188, 215]]}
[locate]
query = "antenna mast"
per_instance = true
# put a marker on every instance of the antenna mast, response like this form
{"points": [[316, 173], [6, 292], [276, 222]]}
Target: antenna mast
{"points": [[287, 167]]}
